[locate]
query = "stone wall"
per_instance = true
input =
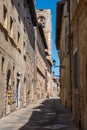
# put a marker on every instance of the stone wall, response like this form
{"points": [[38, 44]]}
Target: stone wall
{"points": [[41, 68], [16, 33], [45, 19], [64, 59], [79, 40]]}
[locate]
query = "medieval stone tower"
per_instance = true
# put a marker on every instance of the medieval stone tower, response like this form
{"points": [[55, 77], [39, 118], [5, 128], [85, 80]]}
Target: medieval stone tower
{"points": [[45, 19]]}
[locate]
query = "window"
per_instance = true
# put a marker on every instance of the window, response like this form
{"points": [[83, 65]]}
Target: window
{"points": [[2, 64], [24, 49], [19, 19], [5, 16], [13, 71], [11, 27], [18, 41], [41, 20]]}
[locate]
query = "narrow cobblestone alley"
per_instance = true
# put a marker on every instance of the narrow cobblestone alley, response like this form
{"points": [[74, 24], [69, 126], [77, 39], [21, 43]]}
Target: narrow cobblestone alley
{"points": [[44, 115]]}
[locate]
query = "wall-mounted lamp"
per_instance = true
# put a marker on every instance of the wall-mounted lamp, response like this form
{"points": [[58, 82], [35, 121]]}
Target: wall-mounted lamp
{"points": [[53, 73], [54, 64]]}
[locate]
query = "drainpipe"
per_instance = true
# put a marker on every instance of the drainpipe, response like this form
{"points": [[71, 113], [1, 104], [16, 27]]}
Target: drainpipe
{"points": [[35, 61], [78, 74]]}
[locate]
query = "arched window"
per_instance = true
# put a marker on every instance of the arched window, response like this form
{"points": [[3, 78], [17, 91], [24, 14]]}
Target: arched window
{"points": [[42, 21], [8, 78]]}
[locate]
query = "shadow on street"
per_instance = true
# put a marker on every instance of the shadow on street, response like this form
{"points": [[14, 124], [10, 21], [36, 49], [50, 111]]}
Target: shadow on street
{"points": [[50, 115]]}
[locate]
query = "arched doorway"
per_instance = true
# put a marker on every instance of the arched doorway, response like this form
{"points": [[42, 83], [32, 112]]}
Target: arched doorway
{"points": [[25, 93], [8, 92], [18, 93]]}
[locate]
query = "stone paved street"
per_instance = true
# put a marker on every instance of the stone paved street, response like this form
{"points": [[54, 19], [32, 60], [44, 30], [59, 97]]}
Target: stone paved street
{"points": [[44, 115]]}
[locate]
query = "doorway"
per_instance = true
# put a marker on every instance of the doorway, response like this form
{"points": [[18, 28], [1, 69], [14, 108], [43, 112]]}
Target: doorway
{"points": [[25, 93], [18, 94], [8, 92]]}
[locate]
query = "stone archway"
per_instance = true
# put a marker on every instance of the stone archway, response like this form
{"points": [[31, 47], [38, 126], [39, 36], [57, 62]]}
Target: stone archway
{"points": [[8, 92], [8, 88]]}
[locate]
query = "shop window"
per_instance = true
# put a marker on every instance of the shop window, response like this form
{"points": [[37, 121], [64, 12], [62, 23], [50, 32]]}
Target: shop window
{"points": [[5, 16], [8, 88], [11, 27], [2, 67]]}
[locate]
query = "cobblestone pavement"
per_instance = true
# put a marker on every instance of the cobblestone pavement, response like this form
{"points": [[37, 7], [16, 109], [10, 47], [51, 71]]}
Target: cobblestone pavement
{"points": [[43, 115]]}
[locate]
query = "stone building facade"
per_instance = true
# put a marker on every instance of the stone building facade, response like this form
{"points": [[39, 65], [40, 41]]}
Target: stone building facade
{"points": [[62, 32], [45, 19], [78, 21], [40, 76], [16, 53], [23, 63], [77, 40]]}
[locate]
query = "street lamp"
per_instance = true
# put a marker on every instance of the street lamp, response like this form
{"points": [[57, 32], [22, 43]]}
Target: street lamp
{"points": [[54, 62], [53, 73]]}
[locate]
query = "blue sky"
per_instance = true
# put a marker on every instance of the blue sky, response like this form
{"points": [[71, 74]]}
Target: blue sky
{"points": [[51, 4]]}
